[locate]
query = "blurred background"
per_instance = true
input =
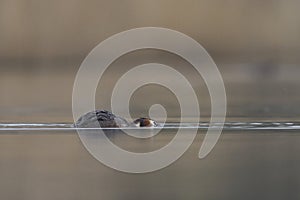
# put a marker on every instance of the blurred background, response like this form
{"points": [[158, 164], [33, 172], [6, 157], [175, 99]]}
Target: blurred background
{"points": [[256, 46], [254, 43]]}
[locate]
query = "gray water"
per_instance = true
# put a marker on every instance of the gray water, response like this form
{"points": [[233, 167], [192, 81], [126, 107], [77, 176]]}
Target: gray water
{"points": [[256, 157], [255, 45], [250, 161], [243, 126]]}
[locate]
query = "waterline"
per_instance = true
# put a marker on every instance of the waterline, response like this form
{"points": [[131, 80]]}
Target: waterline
{"points": [[166, 126]]}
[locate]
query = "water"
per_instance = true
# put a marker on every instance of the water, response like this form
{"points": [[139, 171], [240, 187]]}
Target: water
{"points": [[250, 161], [167, 126], [256, 157]]}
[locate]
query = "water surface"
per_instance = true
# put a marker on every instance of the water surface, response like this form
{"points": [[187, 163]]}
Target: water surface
{"points": [[245, 164]]}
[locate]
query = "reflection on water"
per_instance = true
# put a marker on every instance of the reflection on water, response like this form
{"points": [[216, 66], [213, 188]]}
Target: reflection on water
{"points": [[165, 126], [41, 95], [257, 156], [243, 165]]}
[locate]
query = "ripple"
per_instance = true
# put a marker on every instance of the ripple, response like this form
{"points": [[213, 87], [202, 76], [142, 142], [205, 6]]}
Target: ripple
{"points": [[166, 126]]}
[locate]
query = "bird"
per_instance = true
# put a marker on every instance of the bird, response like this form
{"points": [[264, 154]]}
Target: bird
{"points": [[107, 119], [145, 122]]}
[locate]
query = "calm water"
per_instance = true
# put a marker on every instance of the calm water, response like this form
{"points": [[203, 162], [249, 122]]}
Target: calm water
{"points": [[245, 164], [256, 157]]}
